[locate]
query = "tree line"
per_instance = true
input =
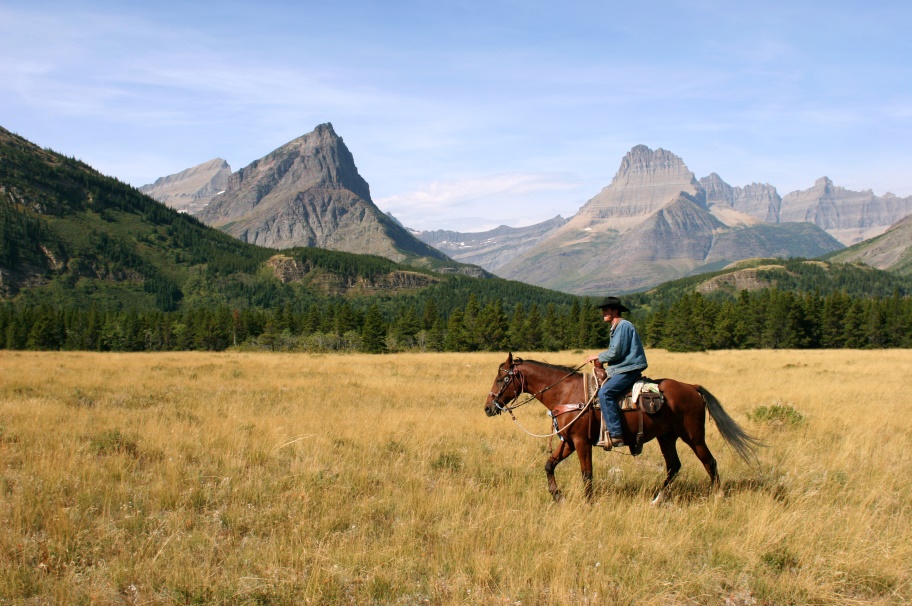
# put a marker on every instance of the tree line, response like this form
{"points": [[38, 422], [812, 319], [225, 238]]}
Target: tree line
{"points": [[779, 319], [768, 318]]}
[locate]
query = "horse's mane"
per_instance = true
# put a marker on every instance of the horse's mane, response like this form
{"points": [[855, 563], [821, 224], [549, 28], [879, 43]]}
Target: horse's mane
{"points": [[560, 367]]}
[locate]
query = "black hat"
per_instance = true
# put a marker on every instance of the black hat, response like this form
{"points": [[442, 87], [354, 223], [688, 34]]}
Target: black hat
{"points": [[612, 302]]}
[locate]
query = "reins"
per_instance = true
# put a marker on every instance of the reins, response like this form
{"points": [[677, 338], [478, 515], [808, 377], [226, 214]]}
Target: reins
{"points": [[509, 407]]}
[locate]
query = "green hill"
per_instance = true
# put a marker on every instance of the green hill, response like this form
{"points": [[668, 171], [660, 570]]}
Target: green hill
{"points": [[776, 303], [74, 238], [797, 275]]}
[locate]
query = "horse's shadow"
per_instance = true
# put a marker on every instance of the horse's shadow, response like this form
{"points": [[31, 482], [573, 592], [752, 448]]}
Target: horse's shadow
{"points": [[685, 492]]}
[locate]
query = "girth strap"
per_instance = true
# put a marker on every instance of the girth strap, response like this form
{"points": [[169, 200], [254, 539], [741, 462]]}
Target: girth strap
{"points": [[561, 409]]}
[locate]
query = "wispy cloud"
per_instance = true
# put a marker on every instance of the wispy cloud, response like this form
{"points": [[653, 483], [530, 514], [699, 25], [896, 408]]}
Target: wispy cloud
{"points": [[456, 114], [489, 201]]}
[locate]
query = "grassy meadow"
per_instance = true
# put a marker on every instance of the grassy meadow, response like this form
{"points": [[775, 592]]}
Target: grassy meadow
{"points": [[242, 478]]}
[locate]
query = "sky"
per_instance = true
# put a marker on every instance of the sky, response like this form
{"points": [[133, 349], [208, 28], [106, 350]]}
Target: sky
{"points": [[466, 114]]}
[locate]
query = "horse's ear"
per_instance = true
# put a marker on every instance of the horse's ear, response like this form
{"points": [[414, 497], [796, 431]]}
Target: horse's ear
{"points": [[510, 359]]}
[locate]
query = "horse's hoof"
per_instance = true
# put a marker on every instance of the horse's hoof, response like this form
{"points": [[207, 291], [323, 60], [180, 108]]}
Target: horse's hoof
{"points": [[659, 499], [557, 496]]}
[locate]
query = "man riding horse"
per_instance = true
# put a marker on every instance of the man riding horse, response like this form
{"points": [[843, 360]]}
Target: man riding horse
{"points": [[626, 361]]}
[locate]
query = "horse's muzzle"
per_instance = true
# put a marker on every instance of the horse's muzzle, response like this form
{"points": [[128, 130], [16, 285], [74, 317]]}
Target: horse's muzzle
{"points": [[493, 408]]}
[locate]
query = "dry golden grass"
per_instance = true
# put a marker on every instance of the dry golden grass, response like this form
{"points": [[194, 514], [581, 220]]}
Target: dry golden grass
{"points": [[255, 478]]}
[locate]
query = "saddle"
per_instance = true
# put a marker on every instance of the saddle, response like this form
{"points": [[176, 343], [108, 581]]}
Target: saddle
{"points": [[645, 396]]}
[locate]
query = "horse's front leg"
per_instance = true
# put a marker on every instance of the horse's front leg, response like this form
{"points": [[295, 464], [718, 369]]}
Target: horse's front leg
{"points": [[562, 452], [584, 452]]}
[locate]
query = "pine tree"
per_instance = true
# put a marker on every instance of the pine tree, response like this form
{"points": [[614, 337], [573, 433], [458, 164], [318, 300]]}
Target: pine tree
{"points": [[436, 336], [655, 327], [457, 339], [571, 326], [552, 334], [491, 328], [532, 331], [373, 335], [469, 322], [853, 326], [430, 316], [832, 321], [516, 330], [723, 330]]}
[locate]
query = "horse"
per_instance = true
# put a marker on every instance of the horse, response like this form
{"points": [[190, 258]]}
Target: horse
{"points": [[683, 416]]}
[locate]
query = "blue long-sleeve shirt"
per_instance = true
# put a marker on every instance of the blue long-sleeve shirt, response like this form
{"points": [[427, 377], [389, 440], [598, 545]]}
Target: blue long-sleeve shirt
{"points": [[625, 350]]}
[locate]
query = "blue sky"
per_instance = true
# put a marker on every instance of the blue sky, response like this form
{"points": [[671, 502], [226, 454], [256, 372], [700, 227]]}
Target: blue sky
{"points": [[470, 114]]}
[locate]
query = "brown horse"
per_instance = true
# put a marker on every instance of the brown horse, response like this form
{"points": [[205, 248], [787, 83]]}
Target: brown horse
{"points": [[682, 416]]}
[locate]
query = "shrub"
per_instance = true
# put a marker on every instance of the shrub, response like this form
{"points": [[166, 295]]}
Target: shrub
{"points": [[778, 414]]}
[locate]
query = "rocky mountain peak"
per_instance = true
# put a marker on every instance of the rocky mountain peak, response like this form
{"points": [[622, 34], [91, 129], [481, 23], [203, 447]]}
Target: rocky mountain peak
{"points": [[192, 189], [318, 159], [823, 183], [760, 201], [308, 192], [646, 180], [849, 216], [717, 190], [641, 160]]}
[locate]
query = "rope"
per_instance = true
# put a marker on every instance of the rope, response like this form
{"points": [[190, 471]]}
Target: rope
{"points": [[553, 433]]}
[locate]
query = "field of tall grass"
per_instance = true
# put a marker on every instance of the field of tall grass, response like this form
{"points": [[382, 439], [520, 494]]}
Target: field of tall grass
{"points": [[318, 479]]}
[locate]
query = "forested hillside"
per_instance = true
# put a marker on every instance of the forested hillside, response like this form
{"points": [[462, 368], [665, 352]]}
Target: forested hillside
{"points": [[86, 260], [777, 303]]}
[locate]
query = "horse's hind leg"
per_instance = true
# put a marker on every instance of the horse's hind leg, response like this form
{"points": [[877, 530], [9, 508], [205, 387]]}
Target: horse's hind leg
{"points": [[668, 444], [564, 450], [698, 445]]}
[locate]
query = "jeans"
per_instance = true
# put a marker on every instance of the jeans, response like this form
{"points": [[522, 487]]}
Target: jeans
{"points": [[608, 395]]}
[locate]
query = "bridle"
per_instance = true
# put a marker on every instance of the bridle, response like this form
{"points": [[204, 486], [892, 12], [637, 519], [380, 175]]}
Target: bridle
{"points": [[508, 378]]}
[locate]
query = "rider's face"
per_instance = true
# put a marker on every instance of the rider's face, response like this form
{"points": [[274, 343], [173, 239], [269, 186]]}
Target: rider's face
{"points": [[609, 314]]}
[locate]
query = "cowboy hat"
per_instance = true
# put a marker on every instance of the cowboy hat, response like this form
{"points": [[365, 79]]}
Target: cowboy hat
{"points": [[612, 302]]}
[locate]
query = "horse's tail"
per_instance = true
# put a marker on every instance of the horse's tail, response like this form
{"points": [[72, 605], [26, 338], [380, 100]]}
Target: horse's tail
{"points": [[744, 444]]}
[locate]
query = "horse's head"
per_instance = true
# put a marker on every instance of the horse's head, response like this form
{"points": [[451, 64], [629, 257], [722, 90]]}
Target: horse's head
{"points": [[507, 386]]}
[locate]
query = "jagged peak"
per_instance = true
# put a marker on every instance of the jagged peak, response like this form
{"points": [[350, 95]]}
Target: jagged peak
{"points": [[210, 166], [321, 133], [824, 182], [641, 160], [717, 189], [712, 178]]}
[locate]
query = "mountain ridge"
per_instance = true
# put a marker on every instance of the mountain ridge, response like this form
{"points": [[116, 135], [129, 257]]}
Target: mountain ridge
{"points": [[656, 222], [307, 192]]}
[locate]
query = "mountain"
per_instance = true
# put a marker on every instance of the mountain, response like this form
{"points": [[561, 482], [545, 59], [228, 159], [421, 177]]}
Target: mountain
{"points": [[309, 193], [757, 201], [72, 238], [849, 216], [192, 189], [644, 183], [493, 248], [891, 250], [656, 222]]}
